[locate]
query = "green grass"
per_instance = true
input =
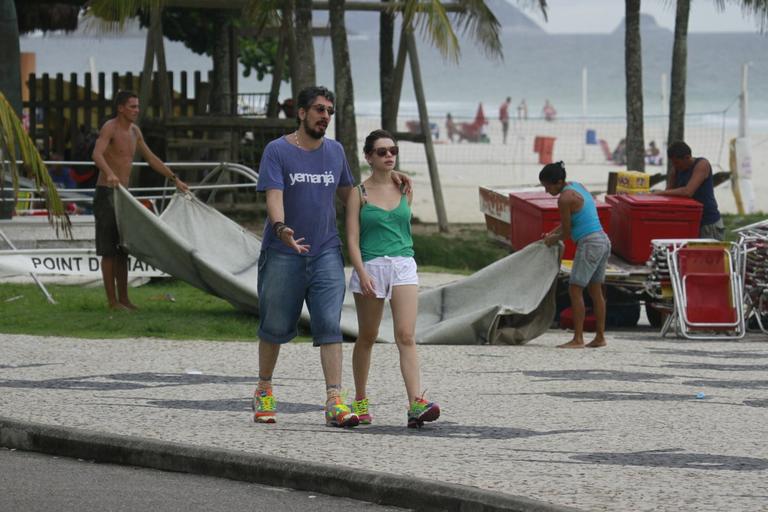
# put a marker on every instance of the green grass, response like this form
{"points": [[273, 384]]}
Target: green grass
{"points": [[464, 250], [82, 312], [733, 221]]}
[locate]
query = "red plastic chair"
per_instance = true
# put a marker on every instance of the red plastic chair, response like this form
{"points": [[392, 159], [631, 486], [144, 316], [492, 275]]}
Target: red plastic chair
{"points": [[708, 291]]}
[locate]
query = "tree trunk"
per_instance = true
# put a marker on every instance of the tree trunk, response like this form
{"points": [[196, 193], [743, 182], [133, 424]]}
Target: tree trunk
{"points": [[221, 89], [346, 127], [677, 86], [273, 105], [387, 68], [305, 47], [10, 56], [222, 98], [290, 38], [633, 65]]}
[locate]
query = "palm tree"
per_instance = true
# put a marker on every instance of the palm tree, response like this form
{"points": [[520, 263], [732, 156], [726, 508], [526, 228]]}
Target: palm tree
{"points": [[756, 8], [432, 19], [15, 145], [346, 126], [18, 17], [677, 82], [305, 48], [10, 58], [633, 69]]}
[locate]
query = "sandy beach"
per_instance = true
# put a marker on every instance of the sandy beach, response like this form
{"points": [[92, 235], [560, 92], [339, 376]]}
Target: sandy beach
{"points": [[464, 166]]}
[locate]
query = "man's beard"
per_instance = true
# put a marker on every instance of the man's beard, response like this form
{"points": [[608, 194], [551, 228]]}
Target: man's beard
{"points": [[315, 134]]}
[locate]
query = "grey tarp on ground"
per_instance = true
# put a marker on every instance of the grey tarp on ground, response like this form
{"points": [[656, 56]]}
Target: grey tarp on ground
{"points": [[511, 301]]}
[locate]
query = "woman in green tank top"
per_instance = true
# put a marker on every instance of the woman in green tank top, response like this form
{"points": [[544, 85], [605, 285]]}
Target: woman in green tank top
{"points": [[381, 251]]}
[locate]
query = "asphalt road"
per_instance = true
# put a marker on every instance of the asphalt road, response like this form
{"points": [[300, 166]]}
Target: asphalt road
{"points": [[32, 482]]}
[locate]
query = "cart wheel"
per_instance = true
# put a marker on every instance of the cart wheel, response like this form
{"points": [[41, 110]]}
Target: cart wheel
{"points": [[655, 317]]}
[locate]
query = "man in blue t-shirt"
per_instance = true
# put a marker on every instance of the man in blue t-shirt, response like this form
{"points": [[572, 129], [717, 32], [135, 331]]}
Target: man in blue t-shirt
{"points": [[302, 173]]}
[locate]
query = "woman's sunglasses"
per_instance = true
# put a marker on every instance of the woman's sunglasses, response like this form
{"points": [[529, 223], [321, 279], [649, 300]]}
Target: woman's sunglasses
{"points": [[382, 152]]}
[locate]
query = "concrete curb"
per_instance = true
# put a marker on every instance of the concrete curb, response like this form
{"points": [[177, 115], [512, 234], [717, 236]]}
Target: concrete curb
{"points": [[372, 486]]}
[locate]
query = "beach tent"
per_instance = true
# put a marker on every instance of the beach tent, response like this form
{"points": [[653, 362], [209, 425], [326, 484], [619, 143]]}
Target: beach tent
{"points": [[511, 301]]}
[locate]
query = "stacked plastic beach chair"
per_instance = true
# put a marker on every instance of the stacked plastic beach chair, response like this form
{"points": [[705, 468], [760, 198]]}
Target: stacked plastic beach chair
{"points": [[705, 277], [658, 284], [753, 241]]}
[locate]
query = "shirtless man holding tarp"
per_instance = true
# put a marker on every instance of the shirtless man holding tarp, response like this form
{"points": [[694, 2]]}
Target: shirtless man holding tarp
{"points": [[113, 155]]}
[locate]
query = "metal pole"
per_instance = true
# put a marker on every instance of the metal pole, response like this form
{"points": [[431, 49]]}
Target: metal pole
{"points": [[743, 101], [40, 285], [584, 113], [663, 108]]}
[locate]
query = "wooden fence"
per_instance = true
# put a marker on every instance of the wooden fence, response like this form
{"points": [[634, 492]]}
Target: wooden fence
{"points": [[64, 115]]}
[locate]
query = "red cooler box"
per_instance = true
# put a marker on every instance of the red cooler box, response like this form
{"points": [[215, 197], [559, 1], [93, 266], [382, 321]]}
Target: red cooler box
{"points": [[516, 198], [531, 217], [639, 218]]}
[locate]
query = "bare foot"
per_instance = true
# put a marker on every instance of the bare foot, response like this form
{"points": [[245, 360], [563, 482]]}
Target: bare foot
{"points": [[572, 344], [129, 305], [597, 342], [116, 306]]}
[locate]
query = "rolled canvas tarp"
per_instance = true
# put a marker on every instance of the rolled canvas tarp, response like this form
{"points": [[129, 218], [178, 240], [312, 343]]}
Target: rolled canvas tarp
{"points": [[511, 301]]}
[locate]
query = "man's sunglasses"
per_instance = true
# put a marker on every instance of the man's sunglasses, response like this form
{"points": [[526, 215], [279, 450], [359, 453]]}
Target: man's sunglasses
{"points": [[382, 152], [322, 109]]}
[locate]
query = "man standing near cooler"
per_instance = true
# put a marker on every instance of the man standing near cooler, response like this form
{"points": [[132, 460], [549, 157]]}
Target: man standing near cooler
{"points": [[692, 177]]}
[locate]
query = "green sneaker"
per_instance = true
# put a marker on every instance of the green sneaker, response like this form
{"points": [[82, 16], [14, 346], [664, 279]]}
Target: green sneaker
{"points": [[360, 407], [421, 411], [337, 414], [264, 407]]}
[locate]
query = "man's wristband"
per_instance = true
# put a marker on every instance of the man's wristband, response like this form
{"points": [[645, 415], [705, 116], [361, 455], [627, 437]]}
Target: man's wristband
{"points": [[278, 228], [173, 177]]}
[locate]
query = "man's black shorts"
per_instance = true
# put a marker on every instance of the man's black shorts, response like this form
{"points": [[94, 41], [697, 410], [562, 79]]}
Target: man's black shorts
{"points": [[107, 236]]}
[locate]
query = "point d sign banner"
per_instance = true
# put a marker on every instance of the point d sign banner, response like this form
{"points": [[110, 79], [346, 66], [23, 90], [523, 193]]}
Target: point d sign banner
{"points": [[75, 262]]}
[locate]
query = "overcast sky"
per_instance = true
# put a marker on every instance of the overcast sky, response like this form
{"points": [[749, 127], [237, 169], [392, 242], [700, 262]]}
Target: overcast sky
{"points": [[578, 16]]}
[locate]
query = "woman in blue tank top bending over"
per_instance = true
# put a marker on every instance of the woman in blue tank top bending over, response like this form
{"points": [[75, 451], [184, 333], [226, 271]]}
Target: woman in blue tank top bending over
{"points": [[381, 251], [579, 222]]}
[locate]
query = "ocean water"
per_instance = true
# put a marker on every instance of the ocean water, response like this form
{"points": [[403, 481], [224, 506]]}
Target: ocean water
{"points": [[536, 66]]}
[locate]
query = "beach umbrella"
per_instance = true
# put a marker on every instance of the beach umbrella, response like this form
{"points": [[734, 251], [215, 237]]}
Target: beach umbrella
{"points": [[480, 116]]}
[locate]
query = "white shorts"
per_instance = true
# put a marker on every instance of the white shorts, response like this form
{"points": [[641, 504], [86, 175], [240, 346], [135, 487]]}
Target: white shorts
{"points": [[386, 273]]}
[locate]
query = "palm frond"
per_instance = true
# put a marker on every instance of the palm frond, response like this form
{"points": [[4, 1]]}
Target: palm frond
{"points": [[109, 16], [13, 136], [432, 21], [264, 13], [478, 21], [755, 8], [541, 4]]}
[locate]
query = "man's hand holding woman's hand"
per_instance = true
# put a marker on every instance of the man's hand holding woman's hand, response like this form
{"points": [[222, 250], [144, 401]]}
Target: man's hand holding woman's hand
{"points": [[404, 182]]}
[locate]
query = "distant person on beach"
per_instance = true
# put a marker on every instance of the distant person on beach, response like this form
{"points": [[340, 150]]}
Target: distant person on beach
{"points": [[653, 154], [692, 177], [450, 126], [579, 222], [504, 118], [522, 110], [381, 251], [548, 110], [302, 174], [113, 154]]}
